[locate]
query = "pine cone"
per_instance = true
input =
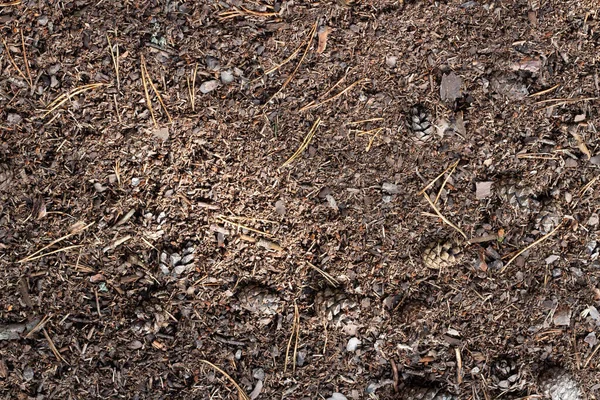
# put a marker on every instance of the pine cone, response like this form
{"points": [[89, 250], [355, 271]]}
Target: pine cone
{"points": [[557, 384], [513, 192], [421, 124], [177, 263], [334, 305], [443, 254], [5, 177], [421, 393], [548, 218], [259, 299]]}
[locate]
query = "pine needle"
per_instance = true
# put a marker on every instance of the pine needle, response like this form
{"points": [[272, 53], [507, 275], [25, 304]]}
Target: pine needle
{"points": [[63, 98], [315, 105], [540, 240], [114, 55], [148, 101], [430, 184], [14, 64], [156, 92], [304, 144], [295, 333], [244, 227], [332, 281], [311, 34], [242, 395], [25, 59], [439, 214], [60, 239]]}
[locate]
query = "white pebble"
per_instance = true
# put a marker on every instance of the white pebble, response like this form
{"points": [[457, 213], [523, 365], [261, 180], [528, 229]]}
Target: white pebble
{"points": [[353, 344]]}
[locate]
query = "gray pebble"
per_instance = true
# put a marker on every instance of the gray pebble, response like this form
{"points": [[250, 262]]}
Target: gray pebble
{"points": [[209, 86], [258, 373], [14, 119], [226, 77]]}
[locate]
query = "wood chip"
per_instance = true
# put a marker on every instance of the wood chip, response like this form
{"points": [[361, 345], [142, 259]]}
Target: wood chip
{"points": [[322, 34]]}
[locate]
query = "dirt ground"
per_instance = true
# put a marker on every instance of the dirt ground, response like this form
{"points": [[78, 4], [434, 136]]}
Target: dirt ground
{"points": [[199, 195]]}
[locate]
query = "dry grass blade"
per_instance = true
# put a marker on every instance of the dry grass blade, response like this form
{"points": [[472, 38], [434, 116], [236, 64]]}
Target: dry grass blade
{"points": [[30, 80], [311, 34], [562, 101], [365, 121], [244, 227], [62, 249], [53, 347], [192, 88], [315, 105], [242, 395], [587, 361], [146, 81], [244, 12], [444, 183], [588, 185], [39, 326], [148, 101], [373, 134], [63, 98], [295, 334], [540, 93], [287, 60], [304, 144], [60, 239], [332, 281], [538, 156], [114, 55], [439, 214], [430, 184], [540, 240], [11, 3], [14, 64]]}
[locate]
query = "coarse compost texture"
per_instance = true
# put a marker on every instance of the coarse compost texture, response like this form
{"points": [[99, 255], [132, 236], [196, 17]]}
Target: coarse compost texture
{"points": [[299, 199]]}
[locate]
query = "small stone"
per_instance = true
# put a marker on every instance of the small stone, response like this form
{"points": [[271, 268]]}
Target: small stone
{"points": [[14, 119], [227, 77], [353, 344], [99, 188], [209, 86], [238, 354], [562, 316], [280, 207], [503, 384], [301, 358], [28, 373], [391, 61], [450, 88], [212, 63], [595, 160], [579, 118], [337, 396], [556, 273], [483, 189], [258, 373], [550, 259], [161, 133], [591, 339], [390, 188], [135, 181], [593, 220], [135, 345], [43, 20], [54, 81]]}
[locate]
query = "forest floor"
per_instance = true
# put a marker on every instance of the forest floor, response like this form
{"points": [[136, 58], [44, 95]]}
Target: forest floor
{"points": [[200, 198]]}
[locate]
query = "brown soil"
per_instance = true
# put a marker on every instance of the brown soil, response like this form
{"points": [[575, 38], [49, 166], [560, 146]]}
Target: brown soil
{"points": [[115, 320]]}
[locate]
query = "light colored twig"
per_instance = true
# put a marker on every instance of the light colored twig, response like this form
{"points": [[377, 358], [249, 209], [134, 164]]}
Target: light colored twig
{"points": [[60, 239], [587, 361], [439, 214], [63, 98], [311, 34], [540, 93], [304, 144], [444, 183], [242, 395], [192, 87], [156, 92], [53, 347], [430, 184], [148, 101], [295, 334], [115, 59], [244, 227], [540, 240], [337, 95], [25, 59], [332, 281], [14, 64]]}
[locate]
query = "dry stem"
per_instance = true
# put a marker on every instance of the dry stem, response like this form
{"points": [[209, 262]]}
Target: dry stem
{"points": [[148, 101], [25, 60], [430, 184], [332, 281], [304, 144], [115, 60], [12, 61], [63, 98], [540, 240], [60, 239], [241, 393], [313, 105], [439, 214]]}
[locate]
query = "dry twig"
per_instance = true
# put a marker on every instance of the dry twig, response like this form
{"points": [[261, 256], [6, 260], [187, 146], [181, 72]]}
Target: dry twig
{"points": [[540, 240], [60, 239], [63, 98], [430, 184], [10, 3], [304, 144], [14, 64], [244, 227], [192, 88], [242, 395], [312, 105], [542, 92], [311, 34], [156, 92], [30, 80], [148, 101], [114, 55], [332, 281], [295, 333], [244, 12], [439, 214]]}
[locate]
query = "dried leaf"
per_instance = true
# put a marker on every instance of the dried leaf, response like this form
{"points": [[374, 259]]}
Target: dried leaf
{"points": [[580, 143], [450, 87], [483, 189], [322, 34]]}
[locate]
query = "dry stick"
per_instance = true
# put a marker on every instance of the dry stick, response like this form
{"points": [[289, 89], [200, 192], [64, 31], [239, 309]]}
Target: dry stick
{"points": [[565, 101], [544, 91], [56, 241], [39, 326], [15, 66], [587, 361], [444, 183], [287, 60], [430, 184], [588, 186], [148, 101], [192, 89], [334, 282], [311, 34], [311, 106], [295, 330], [531, 245], [372, 139], [25, 60], [53, 347], [54, 252], [115, 60], [63, 98], [365, 120], [297, 318], [304, 144], [241, 392], [439, 214], [459, 366], [160, 100]]}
